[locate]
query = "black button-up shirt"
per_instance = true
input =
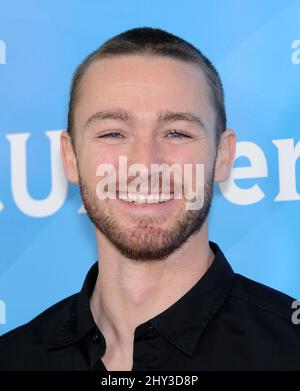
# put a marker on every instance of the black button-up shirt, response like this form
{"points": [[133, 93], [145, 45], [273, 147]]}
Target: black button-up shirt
{"points": [[224, 322]]}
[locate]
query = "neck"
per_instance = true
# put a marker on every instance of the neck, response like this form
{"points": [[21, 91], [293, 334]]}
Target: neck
{"points": [[143, 289]]}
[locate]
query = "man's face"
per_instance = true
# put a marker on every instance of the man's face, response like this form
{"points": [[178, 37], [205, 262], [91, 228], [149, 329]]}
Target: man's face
{"points": [[144, 87]]}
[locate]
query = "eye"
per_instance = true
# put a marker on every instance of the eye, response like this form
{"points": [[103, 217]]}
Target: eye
{"points": [[111, 135], [175, 134]]}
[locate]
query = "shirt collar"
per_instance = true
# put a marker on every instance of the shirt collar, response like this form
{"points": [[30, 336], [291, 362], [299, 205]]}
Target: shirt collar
{"points": [[181, 324], [79, 320]]}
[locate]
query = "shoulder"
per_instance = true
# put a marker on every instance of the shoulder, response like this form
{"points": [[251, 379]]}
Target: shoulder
{"points": [[262, 298], [34, 336]]}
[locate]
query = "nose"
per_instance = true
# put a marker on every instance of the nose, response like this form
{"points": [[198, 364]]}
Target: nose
{"points": [[142, 154], [145, 152]]}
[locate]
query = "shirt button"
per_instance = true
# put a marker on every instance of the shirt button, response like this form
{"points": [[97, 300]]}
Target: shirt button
{"points": [[96, 338]]}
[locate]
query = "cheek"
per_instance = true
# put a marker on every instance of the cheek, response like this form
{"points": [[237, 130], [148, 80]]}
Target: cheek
{"points": [[91, 159], [190, 156], [195, 165]]}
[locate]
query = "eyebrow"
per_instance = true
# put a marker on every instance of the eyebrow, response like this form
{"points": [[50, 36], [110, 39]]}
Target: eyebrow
{"points": [[163, 117]]}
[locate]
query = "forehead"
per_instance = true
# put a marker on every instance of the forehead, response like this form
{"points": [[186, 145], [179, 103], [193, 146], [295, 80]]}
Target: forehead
{"points": [[145, 85]]}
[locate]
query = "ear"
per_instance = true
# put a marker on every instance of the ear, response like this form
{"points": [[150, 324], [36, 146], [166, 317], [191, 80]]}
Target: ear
{"points": [[68, 157], [225, 155]]}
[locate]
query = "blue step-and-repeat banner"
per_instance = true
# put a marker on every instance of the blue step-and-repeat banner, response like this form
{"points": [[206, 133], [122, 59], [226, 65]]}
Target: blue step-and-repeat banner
{"points": [[47, 241]]}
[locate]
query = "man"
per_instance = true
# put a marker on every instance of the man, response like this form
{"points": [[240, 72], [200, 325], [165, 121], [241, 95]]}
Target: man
{"points": [[161, 296]]}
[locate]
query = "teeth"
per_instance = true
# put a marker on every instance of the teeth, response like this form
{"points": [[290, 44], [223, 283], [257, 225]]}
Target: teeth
{"points": [[143, 199]]}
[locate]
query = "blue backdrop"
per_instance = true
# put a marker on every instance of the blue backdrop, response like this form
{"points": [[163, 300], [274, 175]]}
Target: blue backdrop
{"points": [[47, 243]]}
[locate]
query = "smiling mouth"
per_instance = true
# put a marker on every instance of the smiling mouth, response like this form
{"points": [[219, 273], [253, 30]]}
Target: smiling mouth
{"points": [[137, 198]]}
